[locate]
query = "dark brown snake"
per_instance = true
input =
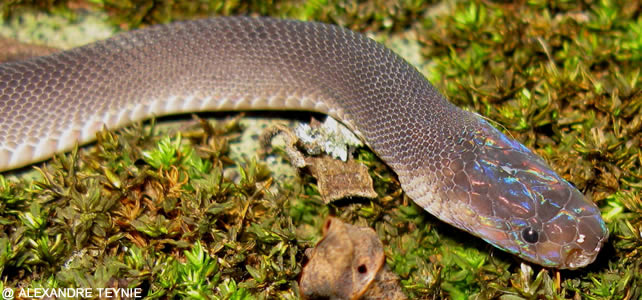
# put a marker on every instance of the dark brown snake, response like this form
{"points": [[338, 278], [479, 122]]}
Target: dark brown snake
{"points": [[449, 161]]}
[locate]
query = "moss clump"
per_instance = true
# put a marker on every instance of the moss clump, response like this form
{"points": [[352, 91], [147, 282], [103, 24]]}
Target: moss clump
{"points": [[173, 215]]}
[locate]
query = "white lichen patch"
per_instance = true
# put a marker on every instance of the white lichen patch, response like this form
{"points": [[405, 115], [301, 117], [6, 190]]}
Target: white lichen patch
{"points": [[330, 137]]}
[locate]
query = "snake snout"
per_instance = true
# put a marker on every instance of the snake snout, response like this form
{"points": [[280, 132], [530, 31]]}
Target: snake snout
{"points": [[590, 237], [579, 229]]}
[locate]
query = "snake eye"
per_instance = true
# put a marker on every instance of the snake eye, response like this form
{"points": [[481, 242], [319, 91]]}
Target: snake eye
{"points": [[530, 235]]}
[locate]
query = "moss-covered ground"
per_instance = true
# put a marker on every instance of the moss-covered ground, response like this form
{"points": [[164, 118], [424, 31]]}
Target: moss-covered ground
{"points": [[172, 214]]}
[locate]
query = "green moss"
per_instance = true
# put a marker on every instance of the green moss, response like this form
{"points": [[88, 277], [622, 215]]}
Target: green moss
{"points": [[174, 214]]}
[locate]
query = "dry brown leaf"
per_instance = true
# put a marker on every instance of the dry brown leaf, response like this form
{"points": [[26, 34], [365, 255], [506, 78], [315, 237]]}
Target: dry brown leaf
{"points": [[348, 263]]}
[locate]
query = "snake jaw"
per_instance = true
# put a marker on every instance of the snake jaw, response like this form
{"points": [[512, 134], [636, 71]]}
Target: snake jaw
{"points": [[565, 242]]}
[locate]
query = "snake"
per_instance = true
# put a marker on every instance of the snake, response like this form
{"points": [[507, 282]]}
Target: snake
{"points": [[450, 161]]}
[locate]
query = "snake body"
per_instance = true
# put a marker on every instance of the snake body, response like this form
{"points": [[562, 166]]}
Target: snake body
{"points": [[449, 161]]}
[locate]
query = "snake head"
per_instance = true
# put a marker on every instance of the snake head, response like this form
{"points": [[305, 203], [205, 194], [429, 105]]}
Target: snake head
{"points": [[499, 190], [533, 212]]}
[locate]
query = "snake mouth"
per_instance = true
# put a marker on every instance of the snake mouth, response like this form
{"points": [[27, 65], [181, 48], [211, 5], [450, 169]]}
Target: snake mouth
{"points": [[578, 258]]}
